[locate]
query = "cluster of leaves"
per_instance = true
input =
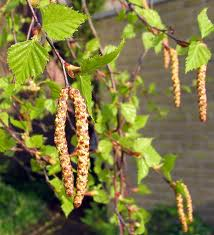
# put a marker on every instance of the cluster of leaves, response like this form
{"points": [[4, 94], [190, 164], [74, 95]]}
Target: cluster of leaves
{"points": [[24, 210], [27, 102], [197, 53]]}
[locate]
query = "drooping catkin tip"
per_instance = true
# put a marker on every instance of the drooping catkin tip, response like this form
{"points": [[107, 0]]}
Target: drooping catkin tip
{"points": [[77, 204], [188, 203], [201, 90], [181, 213]]}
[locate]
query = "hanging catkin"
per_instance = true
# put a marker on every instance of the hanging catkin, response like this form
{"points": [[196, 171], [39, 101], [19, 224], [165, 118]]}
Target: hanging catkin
{"points": [[188, 203], [202, 97], [61, 143], [181, 213], [175, 77], [166, 54], [81, 116]]}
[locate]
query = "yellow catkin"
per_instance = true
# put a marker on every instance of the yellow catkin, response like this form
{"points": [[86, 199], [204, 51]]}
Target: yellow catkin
{"points": [[175, 77], [201, 89], [188, 203], [166, 54], [82, 149], [181, 213], [61, 142]]}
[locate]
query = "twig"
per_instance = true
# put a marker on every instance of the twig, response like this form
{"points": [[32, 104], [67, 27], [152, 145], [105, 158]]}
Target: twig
{"points": [[71, 50], [154, 29], [19, 141], [30, 28], [94, 32]]}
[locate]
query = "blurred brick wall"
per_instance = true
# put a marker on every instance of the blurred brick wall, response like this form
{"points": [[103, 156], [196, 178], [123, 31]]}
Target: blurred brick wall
{"points": [[181, 132]]}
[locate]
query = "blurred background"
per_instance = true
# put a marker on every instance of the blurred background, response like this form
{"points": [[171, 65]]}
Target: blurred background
{"points": [[28, 206]]}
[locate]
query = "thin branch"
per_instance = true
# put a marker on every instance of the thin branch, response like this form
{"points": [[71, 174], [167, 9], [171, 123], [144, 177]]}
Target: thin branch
{"points": [[94, 32], [71, 50], [33, 12], [139, 64], [18, 140], [153, 29], [30, 28]]}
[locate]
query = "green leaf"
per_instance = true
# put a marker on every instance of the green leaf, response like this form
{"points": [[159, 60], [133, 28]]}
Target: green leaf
{"points": [[60, 22], [137, 2], [180, 188], [50, 105], [105, 146], [37, 110], [96, 62], [6, 141], [84, 82], [27, 59], [128, 31], [50, 151], [35, 141], [143, 189], [151, 156], [198, 54], [101, 196], [91, 46], [20, 124], [141, 143], [54, 87], [150, 41], [152, 17], [205, 25], [54, 169], [67, 205], [147, 39], [128, 111], [168, 165], [181, 50], [140, 122], [100, 123], [142, 169], [58, 187], [4, 117], [35, 166]]}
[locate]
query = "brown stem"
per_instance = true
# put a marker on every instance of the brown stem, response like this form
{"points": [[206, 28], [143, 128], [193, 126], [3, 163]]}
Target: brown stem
{"points": [[153, 29], [30, 28]]}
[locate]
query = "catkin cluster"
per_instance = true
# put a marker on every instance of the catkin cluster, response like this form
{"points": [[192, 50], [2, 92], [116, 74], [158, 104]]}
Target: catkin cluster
{"points": [[82, 146], [201, 89], [185, 218], [181, 213], [61, 142], [175, 77], [82, 149], [188, 203]]}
